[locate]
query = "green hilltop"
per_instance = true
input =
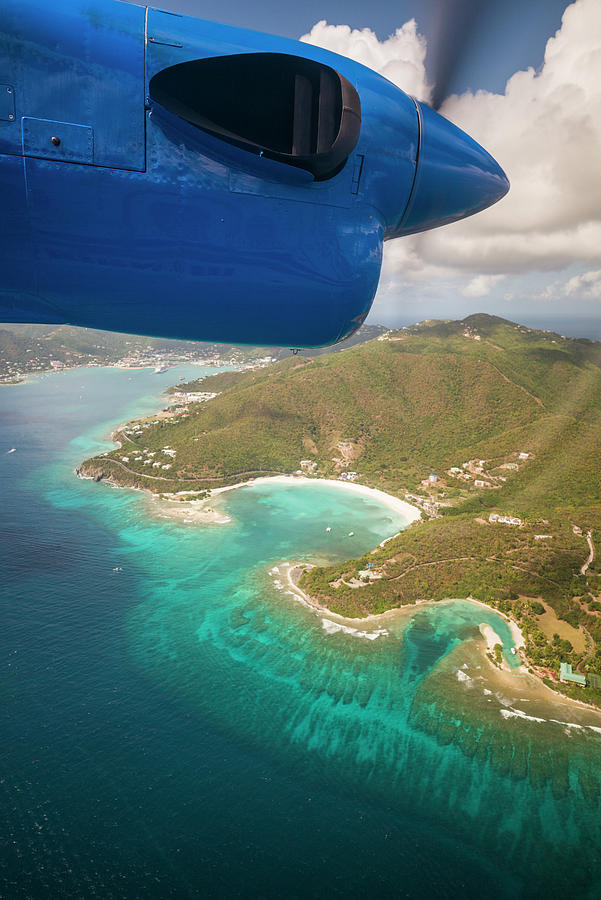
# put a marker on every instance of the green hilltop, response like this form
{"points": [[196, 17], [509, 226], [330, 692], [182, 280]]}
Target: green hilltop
{"points": [[507, 420]]}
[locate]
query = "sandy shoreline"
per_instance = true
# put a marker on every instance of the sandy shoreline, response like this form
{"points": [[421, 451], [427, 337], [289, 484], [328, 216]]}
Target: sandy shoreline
{"points": [[292, 570], [490, 636], [201, 512], [409, 512], [519, 680]]}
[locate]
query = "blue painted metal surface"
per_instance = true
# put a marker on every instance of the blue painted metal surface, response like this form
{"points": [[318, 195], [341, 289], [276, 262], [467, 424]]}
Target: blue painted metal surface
{"points": [[7, 102], [138, 221], [455, 176], [62, 141]]}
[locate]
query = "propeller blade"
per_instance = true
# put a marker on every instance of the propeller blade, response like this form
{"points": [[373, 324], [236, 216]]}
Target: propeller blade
{"points": [[453, 30]]}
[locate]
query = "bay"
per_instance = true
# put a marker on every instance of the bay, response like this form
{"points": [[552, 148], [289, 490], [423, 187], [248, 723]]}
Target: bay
{"points": [[176, 724]]}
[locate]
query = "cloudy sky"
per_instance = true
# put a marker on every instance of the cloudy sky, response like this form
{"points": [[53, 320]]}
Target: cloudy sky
{"points": [[525, 82]]}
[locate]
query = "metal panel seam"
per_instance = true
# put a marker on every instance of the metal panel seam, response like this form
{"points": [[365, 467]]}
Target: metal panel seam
{"points": [[407, 210], [144, 94]]}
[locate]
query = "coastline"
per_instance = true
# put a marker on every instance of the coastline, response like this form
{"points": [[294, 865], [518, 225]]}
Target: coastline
{"points": [[198, 512], [521, 676], [394, 503], [108, 365], [172, 504]]}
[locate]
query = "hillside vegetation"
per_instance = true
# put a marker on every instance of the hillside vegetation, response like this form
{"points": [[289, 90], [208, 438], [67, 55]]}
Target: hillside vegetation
{"points": [[506, 419]]}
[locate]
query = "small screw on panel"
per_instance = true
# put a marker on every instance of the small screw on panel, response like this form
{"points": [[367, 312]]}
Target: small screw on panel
{"points": [[55, 140]]}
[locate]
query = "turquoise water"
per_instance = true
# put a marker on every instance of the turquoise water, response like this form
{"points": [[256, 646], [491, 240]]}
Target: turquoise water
{"points": [[176, 725]]}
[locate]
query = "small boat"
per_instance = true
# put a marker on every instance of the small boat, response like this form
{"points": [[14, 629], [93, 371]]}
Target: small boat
{"points": [[351, 534], [513, 651], [160, 369], [328, 528], [12, 450]]}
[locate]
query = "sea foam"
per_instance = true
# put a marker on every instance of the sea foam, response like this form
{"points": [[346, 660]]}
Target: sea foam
{"points": [[332, 627]]}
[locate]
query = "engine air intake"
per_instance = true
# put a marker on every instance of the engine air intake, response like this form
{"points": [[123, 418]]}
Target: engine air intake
{"points": [[289, 109]]}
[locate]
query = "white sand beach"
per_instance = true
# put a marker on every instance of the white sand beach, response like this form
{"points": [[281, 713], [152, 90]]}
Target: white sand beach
{"points": [[202, 512], [409, 512], [490, 635], [190, 512]]}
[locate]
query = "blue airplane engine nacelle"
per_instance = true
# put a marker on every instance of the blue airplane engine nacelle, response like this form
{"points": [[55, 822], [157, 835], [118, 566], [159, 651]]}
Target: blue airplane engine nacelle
{"points": [[168, 176]]}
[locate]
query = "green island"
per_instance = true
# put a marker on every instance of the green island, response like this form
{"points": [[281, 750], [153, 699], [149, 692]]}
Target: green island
{"points": [[492, 429]]}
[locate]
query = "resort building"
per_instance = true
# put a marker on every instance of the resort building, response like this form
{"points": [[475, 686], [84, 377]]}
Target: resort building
{"points": [[504, 520], [566, 675], [369, 574]]}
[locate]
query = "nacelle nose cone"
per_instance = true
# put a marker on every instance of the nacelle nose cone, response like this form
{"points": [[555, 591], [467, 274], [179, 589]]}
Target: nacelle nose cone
{"points": [[455, 176]]}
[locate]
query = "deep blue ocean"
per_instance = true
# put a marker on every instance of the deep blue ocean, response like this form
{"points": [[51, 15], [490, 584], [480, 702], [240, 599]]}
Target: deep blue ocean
{"points": [[174, 724]]}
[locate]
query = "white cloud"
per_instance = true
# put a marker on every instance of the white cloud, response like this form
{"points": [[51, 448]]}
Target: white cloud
{"points": [[481, 285], [400, 58], [587, 285], [582, 286], [545, 130]]}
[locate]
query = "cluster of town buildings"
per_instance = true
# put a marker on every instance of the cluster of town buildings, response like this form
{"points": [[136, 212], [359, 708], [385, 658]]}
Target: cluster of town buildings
{"points": [[178, 402], [474, 471], [478, 471], [14, 371], [143, 359], [147, 458], [471, 333], [191, 397], [138, 358]]}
